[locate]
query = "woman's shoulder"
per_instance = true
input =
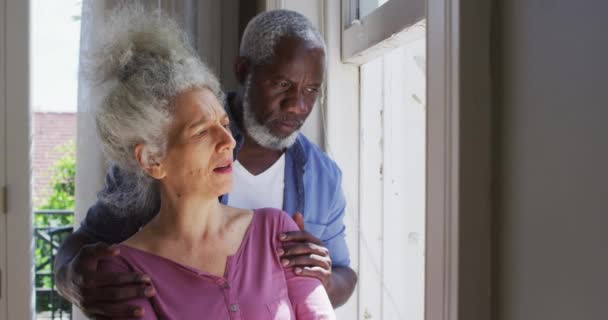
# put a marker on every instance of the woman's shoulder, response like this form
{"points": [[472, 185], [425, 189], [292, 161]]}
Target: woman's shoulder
{"points": [[276, 218], [270, 212], [270, 215]]}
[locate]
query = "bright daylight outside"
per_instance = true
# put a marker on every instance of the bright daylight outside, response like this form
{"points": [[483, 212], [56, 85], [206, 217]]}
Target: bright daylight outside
{"points": [[55, 36]]}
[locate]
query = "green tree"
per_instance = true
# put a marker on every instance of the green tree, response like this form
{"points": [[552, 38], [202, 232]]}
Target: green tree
{"points": [[61, 197], [63, 176]]}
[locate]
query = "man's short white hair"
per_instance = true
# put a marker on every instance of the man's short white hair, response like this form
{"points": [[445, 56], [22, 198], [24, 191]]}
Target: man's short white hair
{"points": [[141, 62], [265, 30]]}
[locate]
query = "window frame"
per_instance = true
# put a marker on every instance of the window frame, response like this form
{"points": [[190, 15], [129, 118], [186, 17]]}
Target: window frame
{"points": [[459, 161], [19, 279], [459, 106], [459, 152], [3, 247], [364, 39]]}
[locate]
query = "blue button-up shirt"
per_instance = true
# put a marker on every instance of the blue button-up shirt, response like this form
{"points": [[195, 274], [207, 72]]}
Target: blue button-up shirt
{"points": [[312, 187]]}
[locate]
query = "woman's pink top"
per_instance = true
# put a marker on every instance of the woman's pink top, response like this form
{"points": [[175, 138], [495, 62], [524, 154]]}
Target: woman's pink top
{"points": [[254, 285]]}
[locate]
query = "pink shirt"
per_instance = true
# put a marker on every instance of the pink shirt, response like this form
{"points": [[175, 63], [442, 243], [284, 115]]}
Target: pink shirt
{"points": [[254, 285]]}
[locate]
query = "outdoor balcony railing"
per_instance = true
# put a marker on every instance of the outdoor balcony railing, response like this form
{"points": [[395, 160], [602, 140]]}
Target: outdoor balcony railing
{"points": [[51, 227]]}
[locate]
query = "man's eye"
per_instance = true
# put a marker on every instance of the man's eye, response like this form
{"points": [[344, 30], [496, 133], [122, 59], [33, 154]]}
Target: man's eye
{"points": [[284, 84], [312, 90]]}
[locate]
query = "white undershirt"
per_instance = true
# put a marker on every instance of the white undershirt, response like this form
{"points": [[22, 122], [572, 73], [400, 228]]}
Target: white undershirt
{"points": [[261, 191]]}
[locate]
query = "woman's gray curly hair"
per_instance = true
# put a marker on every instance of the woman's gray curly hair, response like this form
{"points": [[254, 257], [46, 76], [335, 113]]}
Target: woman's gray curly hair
{"points": [[142, 61]]}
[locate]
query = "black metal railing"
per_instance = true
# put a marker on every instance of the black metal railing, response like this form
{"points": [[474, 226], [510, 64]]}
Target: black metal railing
{"points": [[51, 227]]}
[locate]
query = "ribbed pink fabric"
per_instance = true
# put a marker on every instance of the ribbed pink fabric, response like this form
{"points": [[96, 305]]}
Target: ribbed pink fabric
{"points": [[254, 286]]}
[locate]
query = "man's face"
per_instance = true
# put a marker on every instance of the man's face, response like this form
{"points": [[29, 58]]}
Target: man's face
{"points": [[281, 95]]}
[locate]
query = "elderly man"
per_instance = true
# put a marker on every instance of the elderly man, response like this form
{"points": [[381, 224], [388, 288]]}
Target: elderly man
{"points": [[281, 70]]}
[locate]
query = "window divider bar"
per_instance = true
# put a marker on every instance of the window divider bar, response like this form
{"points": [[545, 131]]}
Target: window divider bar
{"points": [[369, 37]]}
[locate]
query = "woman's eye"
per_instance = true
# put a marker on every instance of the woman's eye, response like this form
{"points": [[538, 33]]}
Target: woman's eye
{"points": [[201, 133]]}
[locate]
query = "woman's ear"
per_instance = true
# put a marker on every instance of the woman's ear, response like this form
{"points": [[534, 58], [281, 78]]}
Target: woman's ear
{"points": [[152, 168], [241, 69]]}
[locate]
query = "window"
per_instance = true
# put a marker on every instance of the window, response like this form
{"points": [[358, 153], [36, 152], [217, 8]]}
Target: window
{"points": [[392, 185], [386, 41], [368, 6], [373, 26], [375, 118]]}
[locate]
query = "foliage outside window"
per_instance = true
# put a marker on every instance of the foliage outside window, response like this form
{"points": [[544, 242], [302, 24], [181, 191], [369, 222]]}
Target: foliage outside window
{"points": [[61, 197], [46, 219]]}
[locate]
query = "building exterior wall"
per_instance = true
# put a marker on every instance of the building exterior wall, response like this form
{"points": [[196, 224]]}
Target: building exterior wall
{"points": [[51, 130]]}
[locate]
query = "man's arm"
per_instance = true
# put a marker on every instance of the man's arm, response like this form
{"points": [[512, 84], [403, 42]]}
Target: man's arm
{"points": [[96, 293], [70, 247], [341, 285], [307, 295], [76, 276]]}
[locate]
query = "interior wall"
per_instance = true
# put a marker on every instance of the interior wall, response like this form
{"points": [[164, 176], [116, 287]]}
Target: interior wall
{"points": [[550, 73]]}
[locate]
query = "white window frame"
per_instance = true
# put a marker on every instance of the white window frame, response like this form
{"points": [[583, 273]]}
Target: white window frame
{"points": [[369, 37], [376, 34], [458, 147], [18, 275], [459, 161]]}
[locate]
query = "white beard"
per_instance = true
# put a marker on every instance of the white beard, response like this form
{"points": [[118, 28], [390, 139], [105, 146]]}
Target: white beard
{"points": [[260, 133]]}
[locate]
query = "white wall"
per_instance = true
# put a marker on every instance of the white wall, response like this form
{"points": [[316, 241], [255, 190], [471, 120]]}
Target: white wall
{"points": [[551, 118]]}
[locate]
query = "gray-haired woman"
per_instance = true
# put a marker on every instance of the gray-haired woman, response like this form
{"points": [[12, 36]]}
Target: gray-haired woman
{"points": [[163, 125]]}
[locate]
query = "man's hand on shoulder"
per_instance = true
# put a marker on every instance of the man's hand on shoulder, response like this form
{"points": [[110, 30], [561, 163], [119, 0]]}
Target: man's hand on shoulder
{"points": [[305, 253], [101, 294], [309, 257]]}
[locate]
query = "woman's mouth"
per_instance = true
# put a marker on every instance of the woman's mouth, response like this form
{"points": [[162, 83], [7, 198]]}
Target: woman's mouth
{"points": [[224, 168]]}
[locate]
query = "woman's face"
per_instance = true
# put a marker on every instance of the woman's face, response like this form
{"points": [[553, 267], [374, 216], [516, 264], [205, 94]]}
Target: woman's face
{"points": [[199, 151]]}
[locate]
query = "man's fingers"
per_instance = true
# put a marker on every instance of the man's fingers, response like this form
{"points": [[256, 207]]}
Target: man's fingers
{"points": [[305, 248], [299, 219], [112, 311], [90, 254], [299, 236], [315, 272], [312, 260], [115, 279], [117, 294]]}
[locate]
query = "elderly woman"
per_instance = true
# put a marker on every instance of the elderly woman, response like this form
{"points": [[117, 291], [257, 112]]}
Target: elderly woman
{"points": [[163, 125]]}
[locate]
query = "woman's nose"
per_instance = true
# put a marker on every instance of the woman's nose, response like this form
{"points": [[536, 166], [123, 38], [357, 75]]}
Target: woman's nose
{"points": [[226, 142]]}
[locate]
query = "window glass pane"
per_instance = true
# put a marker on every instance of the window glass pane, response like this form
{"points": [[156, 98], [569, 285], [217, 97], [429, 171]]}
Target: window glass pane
{"points": [[367, 6]]}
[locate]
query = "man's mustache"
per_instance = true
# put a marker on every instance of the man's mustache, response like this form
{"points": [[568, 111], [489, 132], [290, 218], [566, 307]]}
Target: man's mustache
{"points": [[294, 120]]}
